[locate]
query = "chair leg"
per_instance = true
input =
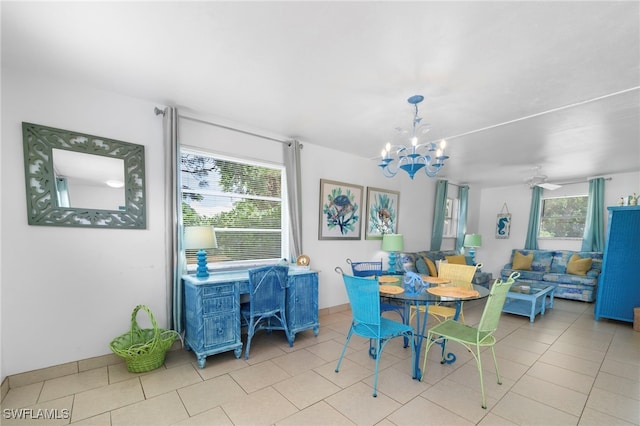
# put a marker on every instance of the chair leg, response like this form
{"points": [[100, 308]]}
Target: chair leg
{"points": [[495, 363], [251, 329], [344, 349], [375, 375], [479, 365]]}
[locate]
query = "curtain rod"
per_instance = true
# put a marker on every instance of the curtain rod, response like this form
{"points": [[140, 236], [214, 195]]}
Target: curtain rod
{"points": [[158, 111]]}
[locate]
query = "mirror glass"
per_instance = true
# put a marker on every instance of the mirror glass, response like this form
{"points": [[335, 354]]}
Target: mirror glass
{"points": [[88, 181], [75, 179]]}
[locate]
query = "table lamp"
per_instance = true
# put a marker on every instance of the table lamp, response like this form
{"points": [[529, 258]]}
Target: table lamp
{"points": [[200, 238], [472, 241], [392, 243]]}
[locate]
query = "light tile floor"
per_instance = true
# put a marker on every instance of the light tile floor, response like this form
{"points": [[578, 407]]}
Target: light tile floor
{"points": [[563, 369]]}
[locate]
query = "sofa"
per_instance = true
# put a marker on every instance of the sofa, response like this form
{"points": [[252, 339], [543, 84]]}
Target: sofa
{"points": [[577, 279], [416, 262]]}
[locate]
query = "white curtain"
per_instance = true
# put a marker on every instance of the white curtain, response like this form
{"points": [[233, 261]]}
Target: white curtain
{"points": [[173, 213], [292, 166]]}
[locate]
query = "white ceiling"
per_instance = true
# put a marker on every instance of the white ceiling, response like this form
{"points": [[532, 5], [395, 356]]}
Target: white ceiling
{"points": [[511, 85]]}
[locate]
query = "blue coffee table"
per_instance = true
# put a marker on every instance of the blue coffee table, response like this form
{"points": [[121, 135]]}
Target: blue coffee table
{"points": [[529, 300]]}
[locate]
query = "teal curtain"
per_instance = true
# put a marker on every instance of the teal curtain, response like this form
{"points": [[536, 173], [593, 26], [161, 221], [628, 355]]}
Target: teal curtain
{"points": [[463, 195], [531, 243], [439, 210], [593, 238]]}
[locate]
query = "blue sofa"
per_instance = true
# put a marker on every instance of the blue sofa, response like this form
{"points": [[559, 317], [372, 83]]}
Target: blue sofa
{"points": [[549, 267], [414, 262]]}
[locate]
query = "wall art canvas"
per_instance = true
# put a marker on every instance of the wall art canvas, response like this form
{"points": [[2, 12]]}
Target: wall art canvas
{"points": [[503, 225], [382, 213], [340, 211]]}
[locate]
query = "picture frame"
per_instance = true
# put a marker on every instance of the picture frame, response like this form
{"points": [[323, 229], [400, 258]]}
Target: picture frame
{"points": [[503, 225], [382, 213], [340, 211]]}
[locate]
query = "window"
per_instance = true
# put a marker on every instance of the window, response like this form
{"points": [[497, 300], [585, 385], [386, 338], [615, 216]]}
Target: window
{"points": [[450, 219], [242, 200], [563, 217]]}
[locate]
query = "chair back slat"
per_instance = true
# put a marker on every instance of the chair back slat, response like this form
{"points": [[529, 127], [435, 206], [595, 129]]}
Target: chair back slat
{"points": [[495, 302], [364, 297], [267, 289], [457, 272]]}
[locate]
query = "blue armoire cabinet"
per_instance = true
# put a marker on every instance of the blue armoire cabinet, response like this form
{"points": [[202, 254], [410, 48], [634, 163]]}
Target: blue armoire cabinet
{"points": [[619, 284]]}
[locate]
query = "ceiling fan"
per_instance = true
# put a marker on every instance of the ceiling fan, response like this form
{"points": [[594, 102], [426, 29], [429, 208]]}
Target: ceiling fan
{"points": [[538, 179]]}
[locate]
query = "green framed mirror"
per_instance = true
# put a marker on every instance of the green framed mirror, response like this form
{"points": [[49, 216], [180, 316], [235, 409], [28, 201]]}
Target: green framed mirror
{"points": [[80, 180]]}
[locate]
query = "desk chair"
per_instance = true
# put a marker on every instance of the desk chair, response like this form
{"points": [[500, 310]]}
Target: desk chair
{"points": [[473, 338], [455, 273], [266, 307], [367, 321]]}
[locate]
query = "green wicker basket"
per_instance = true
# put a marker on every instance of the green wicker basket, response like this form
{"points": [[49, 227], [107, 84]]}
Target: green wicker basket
{"points": [[143, 349]]}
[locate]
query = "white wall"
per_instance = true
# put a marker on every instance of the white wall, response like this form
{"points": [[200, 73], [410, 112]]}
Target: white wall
{"points": [[494, 253], [66, 292]]}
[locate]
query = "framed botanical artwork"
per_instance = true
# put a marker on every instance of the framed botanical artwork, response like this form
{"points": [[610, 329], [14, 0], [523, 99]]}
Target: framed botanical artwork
{"points": [[382, 213], [340, 211]]}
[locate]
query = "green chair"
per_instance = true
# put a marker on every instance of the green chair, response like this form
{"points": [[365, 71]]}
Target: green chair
{"points": [[364, 298], [473, 338]]}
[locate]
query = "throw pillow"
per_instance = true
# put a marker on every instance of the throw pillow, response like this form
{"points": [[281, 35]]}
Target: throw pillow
{"points": [[458, 260], [522, 262], [421, 266], [578, 265], [433, 271]]}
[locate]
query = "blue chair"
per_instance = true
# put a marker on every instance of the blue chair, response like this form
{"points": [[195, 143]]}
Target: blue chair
{"points": [[374, 269], [474, 338], [367, 322], [266, 307]]}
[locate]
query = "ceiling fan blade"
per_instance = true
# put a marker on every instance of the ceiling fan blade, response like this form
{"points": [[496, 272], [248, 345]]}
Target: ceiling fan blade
{"points": [[549, 186]]}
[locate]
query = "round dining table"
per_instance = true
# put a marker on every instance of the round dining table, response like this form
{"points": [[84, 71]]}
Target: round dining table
{"points": [[424, 294]]}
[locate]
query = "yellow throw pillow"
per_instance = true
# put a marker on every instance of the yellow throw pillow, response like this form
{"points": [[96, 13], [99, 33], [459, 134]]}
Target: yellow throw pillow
{"points": [[458, 260], [522, 262], [430, 266], [578, 265]]}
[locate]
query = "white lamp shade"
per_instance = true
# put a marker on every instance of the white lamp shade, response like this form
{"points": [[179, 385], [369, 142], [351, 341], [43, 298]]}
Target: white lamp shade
{"points": [[392, 242], [200, 237], [473, 240]]}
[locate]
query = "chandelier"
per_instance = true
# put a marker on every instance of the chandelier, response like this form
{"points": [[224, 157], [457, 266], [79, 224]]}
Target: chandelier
{"points": [[428, 155]]}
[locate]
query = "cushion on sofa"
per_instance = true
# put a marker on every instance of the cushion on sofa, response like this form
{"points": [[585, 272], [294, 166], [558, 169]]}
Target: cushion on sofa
{"points": [[431, 266], [578, 265], [524, 275], [458, 259], [553, 278], [522, 262]]}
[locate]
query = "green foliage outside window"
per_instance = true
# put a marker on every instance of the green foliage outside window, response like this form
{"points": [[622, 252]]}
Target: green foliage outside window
{"points": [[563, 217], [242, 201]]}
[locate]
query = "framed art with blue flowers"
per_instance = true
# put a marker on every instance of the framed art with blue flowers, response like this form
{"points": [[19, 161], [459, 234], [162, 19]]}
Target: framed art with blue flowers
{"points": [[382, 213], [340, 211]]}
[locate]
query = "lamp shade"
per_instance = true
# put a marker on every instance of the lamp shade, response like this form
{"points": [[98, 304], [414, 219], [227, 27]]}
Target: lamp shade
{"points": [[473, 240], [392, 242], [200, 237]]}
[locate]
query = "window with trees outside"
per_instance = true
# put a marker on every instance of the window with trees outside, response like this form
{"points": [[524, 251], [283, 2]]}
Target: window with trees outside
{"points": [[242, 200], [563, 217], [450, 218]]}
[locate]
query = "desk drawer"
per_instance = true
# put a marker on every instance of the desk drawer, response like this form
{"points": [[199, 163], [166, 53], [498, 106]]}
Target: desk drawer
{"points": [[215, 290], [218, 304]]}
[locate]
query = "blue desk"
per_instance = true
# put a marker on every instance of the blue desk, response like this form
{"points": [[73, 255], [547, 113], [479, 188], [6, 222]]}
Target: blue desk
{"points": [[212, 310]]}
